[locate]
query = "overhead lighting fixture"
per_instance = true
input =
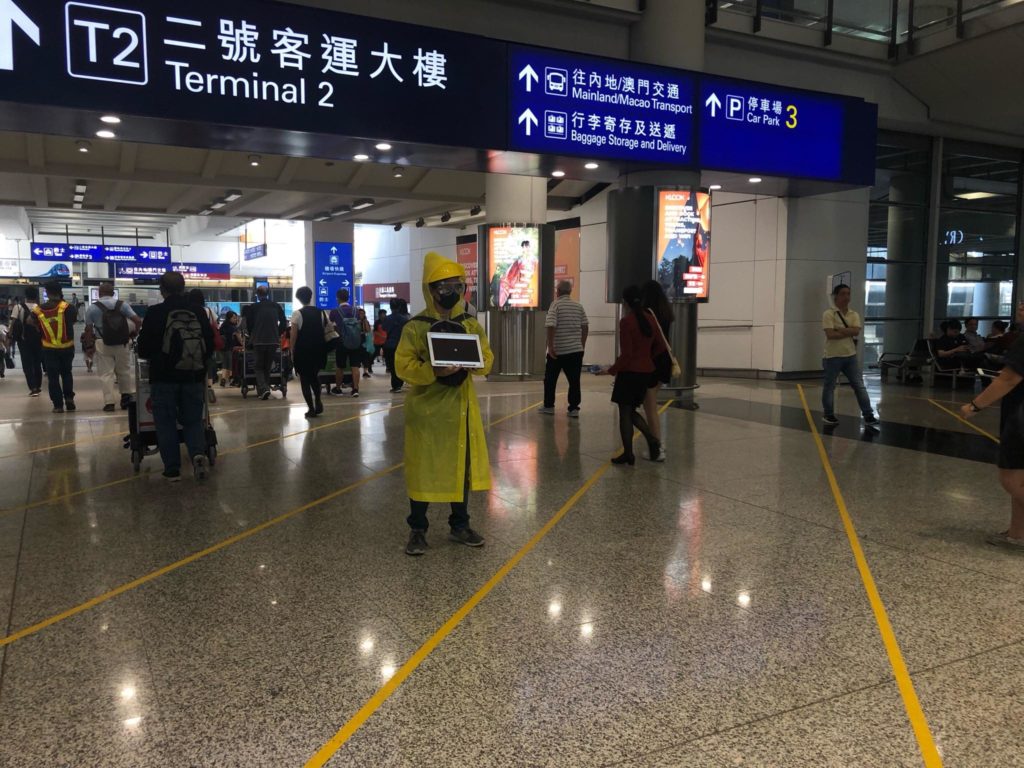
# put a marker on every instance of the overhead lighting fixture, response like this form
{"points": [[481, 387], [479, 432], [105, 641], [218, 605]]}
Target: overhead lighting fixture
{"points": [[361, 158], [79, 198], [362, 203], [232, 195], [77, 206], [205, 212], [558, 174], [111, 119], [217, 205], [398, 227], [341, 211], [591, 166], [83, 146], [475, 210], [755, 179], [254, 160], [80, 187], [383, 146], [325, 216], [105, 134], [421, 222], [976, 195], [715, 187], [397, 172], [446, 217]]}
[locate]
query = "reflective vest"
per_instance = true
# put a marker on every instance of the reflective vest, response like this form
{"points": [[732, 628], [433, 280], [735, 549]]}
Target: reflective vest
{"points": [[54, 329]]}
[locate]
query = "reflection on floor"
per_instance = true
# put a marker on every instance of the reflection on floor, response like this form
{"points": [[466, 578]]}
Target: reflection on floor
{"points": [[701, 612]]}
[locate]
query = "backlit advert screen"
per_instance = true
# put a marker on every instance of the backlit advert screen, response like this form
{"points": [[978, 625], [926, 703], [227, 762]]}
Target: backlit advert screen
{"points": [[513, 267], [684, 243]]}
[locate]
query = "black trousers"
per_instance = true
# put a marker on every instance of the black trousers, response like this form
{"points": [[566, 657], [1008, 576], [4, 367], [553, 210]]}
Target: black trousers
{"points": [[58, 375], [572, 366], [389, 360], [32, 363]]}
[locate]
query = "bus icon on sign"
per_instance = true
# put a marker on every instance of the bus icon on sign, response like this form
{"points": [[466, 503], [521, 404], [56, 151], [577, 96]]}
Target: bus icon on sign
{"points": [[106, 44], [556, 81]]}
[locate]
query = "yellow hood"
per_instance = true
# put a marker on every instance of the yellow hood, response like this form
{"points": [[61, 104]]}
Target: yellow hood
{"points": [[437, 267]]}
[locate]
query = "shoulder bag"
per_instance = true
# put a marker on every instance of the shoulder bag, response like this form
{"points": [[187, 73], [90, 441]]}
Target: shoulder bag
{"points": [[675, 369], [330, 329]]}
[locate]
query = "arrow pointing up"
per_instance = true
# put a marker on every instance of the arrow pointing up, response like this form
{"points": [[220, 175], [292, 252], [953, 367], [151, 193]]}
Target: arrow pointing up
{"points": [[714, 102], [531, 76], [12, 16], [530, 119]]}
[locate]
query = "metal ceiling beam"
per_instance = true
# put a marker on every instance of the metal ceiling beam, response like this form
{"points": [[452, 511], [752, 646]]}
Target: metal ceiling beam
{"points": [[117, 195], [357, 179], [288, 172], [181, 201], [211, 167], [129, 156], [39, 192], [35, 151]]}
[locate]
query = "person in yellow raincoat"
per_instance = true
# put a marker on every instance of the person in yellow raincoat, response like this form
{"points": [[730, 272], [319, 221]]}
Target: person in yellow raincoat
{"points": [[445, 448]]}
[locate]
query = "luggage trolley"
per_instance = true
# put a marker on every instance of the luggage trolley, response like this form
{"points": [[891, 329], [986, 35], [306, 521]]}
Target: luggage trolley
{"points": [[141, 438], [280, 371]]}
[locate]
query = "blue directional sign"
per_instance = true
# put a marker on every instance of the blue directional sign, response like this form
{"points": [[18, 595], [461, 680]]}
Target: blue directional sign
{"points": [[66, 252], [753, 127], [145, 254], [255, 252], [563, 103], [127, 254], [334, 270]]}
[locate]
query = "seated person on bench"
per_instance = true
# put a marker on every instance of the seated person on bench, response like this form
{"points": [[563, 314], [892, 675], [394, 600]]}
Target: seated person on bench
{"points": [[953, 352]]}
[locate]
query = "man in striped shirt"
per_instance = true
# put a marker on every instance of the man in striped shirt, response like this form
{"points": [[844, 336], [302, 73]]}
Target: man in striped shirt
{"points": [[567, 336]]}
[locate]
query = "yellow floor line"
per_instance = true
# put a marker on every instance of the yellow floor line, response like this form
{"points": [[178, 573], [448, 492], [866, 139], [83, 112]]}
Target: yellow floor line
{"points": [[33, 629], [964, 421], [328, 750], [925, 742]]}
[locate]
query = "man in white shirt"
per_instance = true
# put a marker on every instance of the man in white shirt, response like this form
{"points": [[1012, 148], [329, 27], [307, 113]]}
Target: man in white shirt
{"points": [[567, 328], [116, 320], [842, 327]]}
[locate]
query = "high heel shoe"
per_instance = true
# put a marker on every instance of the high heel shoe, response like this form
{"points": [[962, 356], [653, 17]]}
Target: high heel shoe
{"points": [[624, 459]]}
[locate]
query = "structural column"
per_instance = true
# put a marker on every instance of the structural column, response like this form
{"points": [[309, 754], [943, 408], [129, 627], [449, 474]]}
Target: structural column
{"points": [[304, 270], [516, 336]]}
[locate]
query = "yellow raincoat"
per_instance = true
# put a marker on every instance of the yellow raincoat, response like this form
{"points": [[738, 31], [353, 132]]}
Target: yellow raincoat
{"points": [[439, 419]]}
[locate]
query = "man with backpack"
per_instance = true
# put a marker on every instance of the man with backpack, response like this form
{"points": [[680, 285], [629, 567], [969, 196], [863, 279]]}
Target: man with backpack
{"points": [[113, 322], [25, 333], [264, 323], [348, 350], [56, 321], [178, 343], [393, 325]]}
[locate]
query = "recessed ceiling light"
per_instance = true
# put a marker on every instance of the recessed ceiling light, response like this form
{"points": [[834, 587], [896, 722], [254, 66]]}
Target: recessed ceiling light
{"points": [[111, 119], [205, 212], [79, 198], [105, 134], [362, 203], [558, 174], [232, 195], [80, 187], [361, 158], [77, 206], [755, 179], [341, 211], [254, 160], [591, 166], [325, 216], [397, 172], [218, 205], [83, 146], [383, 146], [976, 195], [715, 187]]}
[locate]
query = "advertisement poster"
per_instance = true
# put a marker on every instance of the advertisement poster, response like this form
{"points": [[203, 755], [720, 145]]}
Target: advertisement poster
{"points": [[684, 242], [466, 255], [514, 267], [567, 259], [43, 272]]}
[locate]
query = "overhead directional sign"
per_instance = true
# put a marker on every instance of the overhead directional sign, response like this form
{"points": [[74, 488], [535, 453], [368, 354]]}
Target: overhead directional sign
{"points": [[127, 254], [11, 18], [759, 128], [334, 269], [563, 103]]}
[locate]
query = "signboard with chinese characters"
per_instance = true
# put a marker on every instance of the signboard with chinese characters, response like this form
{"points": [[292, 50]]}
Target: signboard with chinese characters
{"points": [[374, 293], [753, 127], [201, 271], [334, 269], [682, 263], [255, 63], [99, 253], [255, 252], [564, 103]]}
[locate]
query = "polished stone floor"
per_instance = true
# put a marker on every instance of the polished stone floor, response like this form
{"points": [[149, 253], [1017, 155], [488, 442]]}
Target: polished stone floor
{"points": [[706, 611]]}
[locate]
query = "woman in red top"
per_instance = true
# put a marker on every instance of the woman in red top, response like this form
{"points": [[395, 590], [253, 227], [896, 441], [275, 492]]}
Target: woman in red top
{"points": [[639, 344]]}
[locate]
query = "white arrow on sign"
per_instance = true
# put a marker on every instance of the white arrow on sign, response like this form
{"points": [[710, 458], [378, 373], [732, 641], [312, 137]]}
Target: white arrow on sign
{"points": [[323, 282], [530, 119], [531, 76], [12, 16], [714, 102], [38, 251]]}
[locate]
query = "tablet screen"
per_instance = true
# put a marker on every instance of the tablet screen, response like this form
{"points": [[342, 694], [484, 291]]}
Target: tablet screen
{"points": [[461, 349]]}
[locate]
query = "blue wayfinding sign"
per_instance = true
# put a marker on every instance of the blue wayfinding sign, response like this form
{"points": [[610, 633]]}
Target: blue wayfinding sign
{"points": [[562, 103], [756, 127], [334, 265], [126, 254], [255, 252]]}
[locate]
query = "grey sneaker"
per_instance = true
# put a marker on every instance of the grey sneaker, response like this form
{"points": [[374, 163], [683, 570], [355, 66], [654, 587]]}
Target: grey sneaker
{"points": [[871, 421], [466, 536], [201, 468], [546, 411], [1003, 540], [574, 413], [830, 421], [417, 543]]}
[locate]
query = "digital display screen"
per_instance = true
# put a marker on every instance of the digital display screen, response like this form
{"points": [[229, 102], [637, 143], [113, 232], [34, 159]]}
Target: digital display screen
{"points": [[684, 244], [513, 267], [461, 349]]}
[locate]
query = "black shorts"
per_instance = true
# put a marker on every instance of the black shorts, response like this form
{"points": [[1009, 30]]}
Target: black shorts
{"points": [[348, 357], [1011, 446]]}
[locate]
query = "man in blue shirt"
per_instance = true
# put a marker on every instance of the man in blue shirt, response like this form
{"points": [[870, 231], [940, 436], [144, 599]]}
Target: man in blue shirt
{"points": [[114, 323]]}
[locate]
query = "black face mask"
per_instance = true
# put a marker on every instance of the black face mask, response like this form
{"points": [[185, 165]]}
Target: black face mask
{"points": [[448, 299]]}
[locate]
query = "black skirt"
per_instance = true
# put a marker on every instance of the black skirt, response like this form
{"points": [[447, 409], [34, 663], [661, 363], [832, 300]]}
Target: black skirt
{"points": [[631, 388]]}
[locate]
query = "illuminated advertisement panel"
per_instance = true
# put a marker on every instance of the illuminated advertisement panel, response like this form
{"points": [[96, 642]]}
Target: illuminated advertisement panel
{"points": [[684, 241], [513, 267]]}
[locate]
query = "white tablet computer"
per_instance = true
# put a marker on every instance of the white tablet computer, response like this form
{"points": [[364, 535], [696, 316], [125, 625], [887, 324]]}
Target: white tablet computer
{"points": [[461, 349]]}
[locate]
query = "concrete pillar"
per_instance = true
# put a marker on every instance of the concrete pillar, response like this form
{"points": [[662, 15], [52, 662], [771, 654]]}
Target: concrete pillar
{"points": [[907, 249], [517, 337], [319, 232], [986, 300]]}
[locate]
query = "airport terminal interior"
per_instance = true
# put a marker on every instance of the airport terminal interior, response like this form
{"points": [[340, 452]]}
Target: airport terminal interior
{"points": [[787, 232]]}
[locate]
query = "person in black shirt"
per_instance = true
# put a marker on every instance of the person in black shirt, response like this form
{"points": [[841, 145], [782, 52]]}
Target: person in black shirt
{"points": [[309, 349], [1006, 388], [178, 343], [954, 352]]}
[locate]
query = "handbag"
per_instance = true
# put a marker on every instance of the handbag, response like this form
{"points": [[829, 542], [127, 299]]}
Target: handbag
{"points": [[330, 329], [677, 371], [9, 360]]}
